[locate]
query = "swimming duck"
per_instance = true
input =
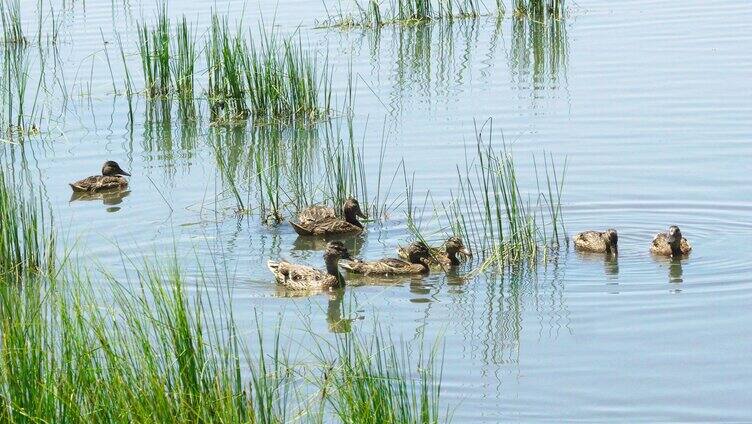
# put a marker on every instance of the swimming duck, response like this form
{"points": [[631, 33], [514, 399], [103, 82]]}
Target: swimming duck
{"points": [[301, 277], [597, 242], [418, 263], [670, 243], [112, 178], [320, 221], [446, 256]]}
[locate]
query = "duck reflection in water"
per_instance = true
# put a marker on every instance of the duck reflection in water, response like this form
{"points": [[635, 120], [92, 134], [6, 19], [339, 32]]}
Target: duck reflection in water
{"points": [[336, 317], [111, 198], [610, 262], [353, 244], [674, 265], [334, 313]]}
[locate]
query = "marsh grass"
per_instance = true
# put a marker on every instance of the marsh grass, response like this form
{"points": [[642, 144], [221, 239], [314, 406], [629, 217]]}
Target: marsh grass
{"points": [[403, 12], [344, 167], [25, 243], [155, 347], [374, 381], [266, 78], [538, 9], [505, 226], [10, 16], [20, 91], [154, 50]]}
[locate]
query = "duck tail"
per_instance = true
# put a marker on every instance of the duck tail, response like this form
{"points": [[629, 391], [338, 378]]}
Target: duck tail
{"points": [[76, 188], [300, 230]]}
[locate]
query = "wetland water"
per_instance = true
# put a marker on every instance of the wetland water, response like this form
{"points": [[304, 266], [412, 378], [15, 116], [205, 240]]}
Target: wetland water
{"points": [[649, 102]]}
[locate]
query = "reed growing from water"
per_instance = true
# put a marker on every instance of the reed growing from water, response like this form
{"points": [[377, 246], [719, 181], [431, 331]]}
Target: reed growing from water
{"points": [[10, 16], [375, 382], [404, 12], [538, 9], [154, 50], [25, 244], [502, 224]]}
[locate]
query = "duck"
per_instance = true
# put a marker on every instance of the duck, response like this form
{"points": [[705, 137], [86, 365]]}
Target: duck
{"points": [[302, 277], [670, 243], [438, 256], [597, 241], [417, 264], [112, 178], [319, 220]]}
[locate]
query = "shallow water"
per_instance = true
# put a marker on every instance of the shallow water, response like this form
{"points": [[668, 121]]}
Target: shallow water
{"points": [[649, 103]]}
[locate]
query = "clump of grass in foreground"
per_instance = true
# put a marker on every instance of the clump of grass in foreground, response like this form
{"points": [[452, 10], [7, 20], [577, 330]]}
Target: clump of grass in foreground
{"points": [[145, 351], [372, 381], [490, 211], [405, 12]]}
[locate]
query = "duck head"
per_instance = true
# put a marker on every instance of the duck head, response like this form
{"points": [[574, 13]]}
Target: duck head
{"points": [[455, 245], [112, 169], [419, 253], [351, 210], [335, 251], [612, 239], [674, 239]]}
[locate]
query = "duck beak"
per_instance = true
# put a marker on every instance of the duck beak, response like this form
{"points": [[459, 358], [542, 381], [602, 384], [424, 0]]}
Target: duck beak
{"points": [[671, 238], [121, 172], [465, 251], [360, 214]]}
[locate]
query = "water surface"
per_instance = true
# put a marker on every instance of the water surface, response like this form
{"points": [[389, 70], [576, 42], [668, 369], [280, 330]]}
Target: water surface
{"points": [[648, 101]]}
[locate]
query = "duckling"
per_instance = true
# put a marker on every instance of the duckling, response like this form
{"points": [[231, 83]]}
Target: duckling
{"points": [[670, 243], [446, 256], [301, 277], [597, 242], [418, 263], [112, 178], [320, 221]]}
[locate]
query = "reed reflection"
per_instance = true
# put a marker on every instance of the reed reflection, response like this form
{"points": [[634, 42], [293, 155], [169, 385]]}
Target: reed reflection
{"points": [[495, 309], [539, 54]]}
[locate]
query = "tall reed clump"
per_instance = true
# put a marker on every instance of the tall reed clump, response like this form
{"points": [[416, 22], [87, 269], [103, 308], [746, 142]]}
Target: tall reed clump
{"points": [[266, 78], [501, 223], [538, 9], [344, 168], [26, 246], [183, 68], [10, 16], [405, 12], [154, 50], [168, 61], [374, 382], [83, 347], [224, 61], [151, 355]]}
